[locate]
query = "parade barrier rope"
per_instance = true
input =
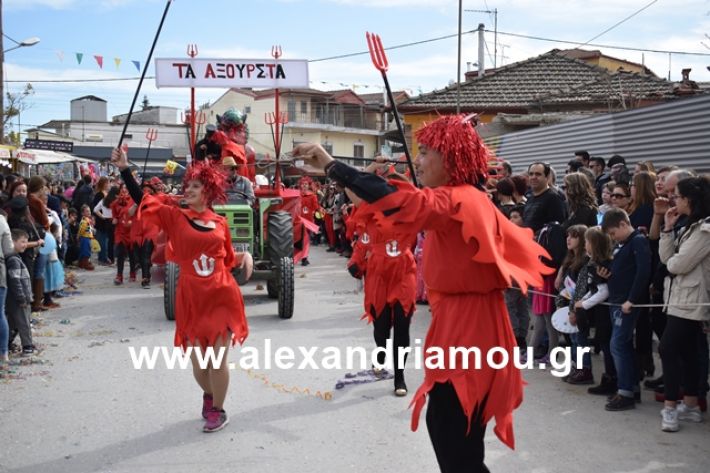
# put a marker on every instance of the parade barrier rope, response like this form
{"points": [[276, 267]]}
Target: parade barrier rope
{"points": [[610, 304]]}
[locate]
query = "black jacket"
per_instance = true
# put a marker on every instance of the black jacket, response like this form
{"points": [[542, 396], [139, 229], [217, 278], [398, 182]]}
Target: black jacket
{"points": [[19, 284]]}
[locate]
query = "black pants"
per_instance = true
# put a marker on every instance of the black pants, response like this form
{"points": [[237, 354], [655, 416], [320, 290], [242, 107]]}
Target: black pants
{"points": [[143, 254], [679, 354], [456, 451], [392, 317], [121, 252], [644, 342]]}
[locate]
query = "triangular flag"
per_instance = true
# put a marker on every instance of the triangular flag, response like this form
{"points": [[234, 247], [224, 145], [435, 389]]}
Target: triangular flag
{"points": [[117, 61], [60, 55], [99, 61], [137, 64], [79, 57]]}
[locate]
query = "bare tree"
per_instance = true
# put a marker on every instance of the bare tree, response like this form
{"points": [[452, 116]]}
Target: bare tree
{"points": [[16, 103]]}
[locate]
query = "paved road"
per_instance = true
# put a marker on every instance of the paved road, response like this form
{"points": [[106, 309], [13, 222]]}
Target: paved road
{"points": [[88, 410]]}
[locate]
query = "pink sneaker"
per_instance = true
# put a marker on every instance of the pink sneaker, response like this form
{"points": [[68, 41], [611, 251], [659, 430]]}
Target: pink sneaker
{"points": [[216, 420], [206, 404]]}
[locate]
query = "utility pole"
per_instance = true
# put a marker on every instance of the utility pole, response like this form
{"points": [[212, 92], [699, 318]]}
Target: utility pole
{"points": [[481, 50], [458, 67]]}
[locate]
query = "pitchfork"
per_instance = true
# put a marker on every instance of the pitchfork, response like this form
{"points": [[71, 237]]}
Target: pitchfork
{"points": [[379, 59], [151, 135]]}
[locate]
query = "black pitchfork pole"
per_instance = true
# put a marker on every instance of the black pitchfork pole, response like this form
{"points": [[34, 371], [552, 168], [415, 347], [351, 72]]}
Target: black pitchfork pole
{"points": [[145, 69], [379, 59]]}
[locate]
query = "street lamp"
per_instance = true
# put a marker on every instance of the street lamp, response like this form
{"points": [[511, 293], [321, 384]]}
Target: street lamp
{"points": [[20, 44]]}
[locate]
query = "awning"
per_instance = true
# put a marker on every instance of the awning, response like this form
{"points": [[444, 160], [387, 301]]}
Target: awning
{"points": [[41, 156]]}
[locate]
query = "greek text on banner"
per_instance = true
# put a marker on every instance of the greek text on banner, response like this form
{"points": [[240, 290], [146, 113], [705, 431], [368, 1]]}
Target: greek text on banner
{"points": [[227, 73]]}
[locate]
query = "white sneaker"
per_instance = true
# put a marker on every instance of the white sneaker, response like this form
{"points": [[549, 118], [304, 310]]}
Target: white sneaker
{"points": [[689, 414], [669, 419]]}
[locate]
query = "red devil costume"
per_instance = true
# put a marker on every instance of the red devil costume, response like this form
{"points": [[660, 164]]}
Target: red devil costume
{"points": [[120, 210], [232, 136], [309, 206], [386, 262], [472, 252], [145, 235], [209, 304]]}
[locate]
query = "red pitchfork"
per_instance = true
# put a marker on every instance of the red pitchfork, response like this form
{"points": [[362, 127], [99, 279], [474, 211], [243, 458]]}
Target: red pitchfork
{"points": [[379, 59], [276, 122], [151, 135]]}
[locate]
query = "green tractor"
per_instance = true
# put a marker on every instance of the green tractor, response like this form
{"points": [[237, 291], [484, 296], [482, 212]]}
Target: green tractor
{"points": [[266, 231]]}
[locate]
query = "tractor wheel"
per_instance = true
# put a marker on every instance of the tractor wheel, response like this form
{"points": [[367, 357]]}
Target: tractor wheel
{"points": [[172, 271], [280, 236], [286, 287]]}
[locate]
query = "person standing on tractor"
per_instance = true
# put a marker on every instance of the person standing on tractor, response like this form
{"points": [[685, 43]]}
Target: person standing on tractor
{"points": [[209, 310], [472, 252], [232, 135]]}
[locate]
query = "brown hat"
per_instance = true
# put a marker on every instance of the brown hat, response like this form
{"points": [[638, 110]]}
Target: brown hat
{"points": [[229, 162]]}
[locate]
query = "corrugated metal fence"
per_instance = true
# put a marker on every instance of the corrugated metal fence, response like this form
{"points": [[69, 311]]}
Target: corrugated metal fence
{"points": [[672, 133]]}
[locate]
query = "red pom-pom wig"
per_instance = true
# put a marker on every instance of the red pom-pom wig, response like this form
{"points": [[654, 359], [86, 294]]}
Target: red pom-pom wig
{"points": [[212, 178], [465, 155]]}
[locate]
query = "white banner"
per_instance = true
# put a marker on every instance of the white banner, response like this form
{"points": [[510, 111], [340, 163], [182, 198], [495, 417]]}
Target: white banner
{"points": [[228, 73]]}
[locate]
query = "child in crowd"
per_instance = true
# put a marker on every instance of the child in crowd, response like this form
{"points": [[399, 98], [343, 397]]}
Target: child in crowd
{"points": [[574, 261], [54, 272], [515, 301], [516, 215], [72, 229], [19, 293], [85, 234], [590, 291], [628, 285]]}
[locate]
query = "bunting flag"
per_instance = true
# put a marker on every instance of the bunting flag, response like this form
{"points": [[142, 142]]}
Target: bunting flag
{"points": [[137, 64], [60, 55], [117, 61], [99, 61], [79, 57]]}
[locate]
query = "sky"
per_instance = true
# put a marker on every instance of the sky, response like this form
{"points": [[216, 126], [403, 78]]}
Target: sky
{"points": [[317, 29]]}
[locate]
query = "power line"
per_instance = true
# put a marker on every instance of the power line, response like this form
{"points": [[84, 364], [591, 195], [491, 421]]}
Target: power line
{"points": [[620, 22], [415, 43], [608, 46], [397, 46]]}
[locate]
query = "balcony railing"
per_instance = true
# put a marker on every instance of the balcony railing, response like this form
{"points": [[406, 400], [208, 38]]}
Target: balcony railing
{"points": [[354, 119]]}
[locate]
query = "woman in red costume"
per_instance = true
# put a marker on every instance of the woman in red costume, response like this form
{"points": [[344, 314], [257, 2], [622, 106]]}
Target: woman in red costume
{"points": [[123, 222], [209, 310], [309, 206], [144, 235], [386, 263], [471, 254]]}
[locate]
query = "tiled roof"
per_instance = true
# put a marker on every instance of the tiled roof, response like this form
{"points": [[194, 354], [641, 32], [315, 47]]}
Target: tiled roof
{"points": [[614, 87], [520, 85]]}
